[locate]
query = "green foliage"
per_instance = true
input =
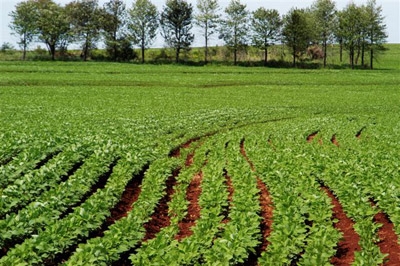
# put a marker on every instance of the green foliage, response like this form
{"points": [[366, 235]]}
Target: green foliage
{"points": [[113, 20], [324, 12], [84, 17], [234, 28], [65, 125], [176, 24], [266, 26], [207, 18], [23, 21], [297, 32], [52, 25], [143, 24]]}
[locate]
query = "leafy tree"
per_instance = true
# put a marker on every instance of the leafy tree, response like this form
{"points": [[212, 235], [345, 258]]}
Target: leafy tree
{"points": [[207, 18], [266, 26], [176, 24], [234, 28], [52, 25], [113, 21], [23, 23], [325, 22], [296, 32], [84, 16], [143, 24], [375, 31], [339, 33], [351, 26]]}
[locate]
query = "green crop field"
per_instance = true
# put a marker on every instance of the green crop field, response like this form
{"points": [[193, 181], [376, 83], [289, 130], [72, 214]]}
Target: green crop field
{"points": [[121, 164]]}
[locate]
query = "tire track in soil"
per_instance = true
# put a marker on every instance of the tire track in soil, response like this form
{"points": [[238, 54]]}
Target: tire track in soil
{"points": [[389, 242], [267, 209], [349, 243]]}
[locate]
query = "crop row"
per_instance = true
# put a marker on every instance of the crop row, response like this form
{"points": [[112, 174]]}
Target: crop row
{"points": [[64, 215]]}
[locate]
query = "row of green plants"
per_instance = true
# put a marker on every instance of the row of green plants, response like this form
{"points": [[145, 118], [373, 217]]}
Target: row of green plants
{"points": [[302, 229], [91, 120], [63, 234], [292, 169], [33, 183], [241, 234], [47, 207], [127, 232]]}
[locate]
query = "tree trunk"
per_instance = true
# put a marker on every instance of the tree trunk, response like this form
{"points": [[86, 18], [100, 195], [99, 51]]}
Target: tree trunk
{"points": [[52, 50], [85, 52], [341, 51], [362, 53], [177, 54], [206, 42], [235, 56], [325, 53], [294, 56], [358, 52], [352, 57], [143, 48], [24, 53], [265, 56], [371, 58]]}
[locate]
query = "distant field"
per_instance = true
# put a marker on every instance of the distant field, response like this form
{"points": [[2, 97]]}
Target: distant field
{"points": [[124, 164]]}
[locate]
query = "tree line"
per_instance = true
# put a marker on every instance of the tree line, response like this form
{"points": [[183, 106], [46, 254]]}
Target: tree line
{"points": [[358, 29]]}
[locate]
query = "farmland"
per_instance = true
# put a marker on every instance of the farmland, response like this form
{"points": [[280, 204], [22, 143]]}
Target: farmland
{"points": [[121, 164]]}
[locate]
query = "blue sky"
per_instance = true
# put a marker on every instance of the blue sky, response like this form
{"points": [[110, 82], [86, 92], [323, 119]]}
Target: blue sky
{"points": [[391, 11]]}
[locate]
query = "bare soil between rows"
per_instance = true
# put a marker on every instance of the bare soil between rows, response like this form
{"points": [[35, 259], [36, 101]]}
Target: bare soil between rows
{"points": [[349, 244], [388, 240], [267, 209]]}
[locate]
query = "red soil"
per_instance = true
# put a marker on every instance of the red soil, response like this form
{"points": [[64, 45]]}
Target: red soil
{"points": [[243, 152], [311, 136], [349, 244], [266, 211], [160, 218], [334, 140], [177, 151], [189, 159], [129, 196], [388, 243], [192, 195]]}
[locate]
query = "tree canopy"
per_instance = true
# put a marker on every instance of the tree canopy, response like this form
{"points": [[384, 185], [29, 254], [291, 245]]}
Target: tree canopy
{"points": [[234, 28], [143, 24], [266, 26], [176, 24], [358, 29], [207, 18]]}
